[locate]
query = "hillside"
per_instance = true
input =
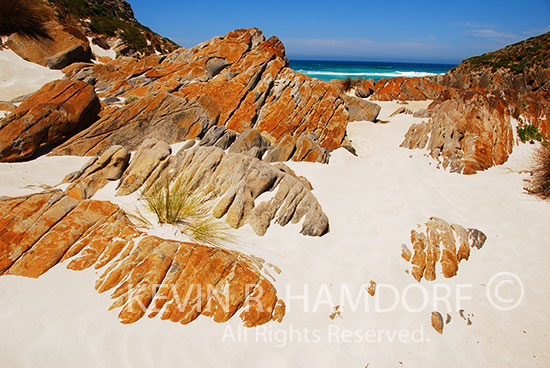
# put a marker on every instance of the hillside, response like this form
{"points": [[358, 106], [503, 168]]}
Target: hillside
{"points": [[111, 18], [529, 53]]}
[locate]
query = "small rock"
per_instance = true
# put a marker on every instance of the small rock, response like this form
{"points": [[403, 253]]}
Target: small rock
{"points": [[437, 322]]}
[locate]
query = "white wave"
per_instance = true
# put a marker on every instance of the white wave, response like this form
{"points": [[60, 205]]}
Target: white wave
{"points": [[364, 74]]}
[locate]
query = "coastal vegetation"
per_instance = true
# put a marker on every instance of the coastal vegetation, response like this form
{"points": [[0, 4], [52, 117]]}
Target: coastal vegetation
{"points": [[539, 183], [187, 208], [516, 57], [529, 133], [24, 16], [349, 83], [111, 18]]}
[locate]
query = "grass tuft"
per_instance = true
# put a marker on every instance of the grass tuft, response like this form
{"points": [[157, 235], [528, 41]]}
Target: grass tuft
{"points": [[26, 17], [539, 184], [187, 208]]}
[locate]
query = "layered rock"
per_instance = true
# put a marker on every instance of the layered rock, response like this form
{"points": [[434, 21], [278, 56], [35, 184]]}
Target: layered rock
{"points": [[51, 115], [97, 172], [162, 116], [240, 81], [63, 46], [401, 88], [234, 181], [468, 133], [440, 248], [146, 274], [365, 88]]}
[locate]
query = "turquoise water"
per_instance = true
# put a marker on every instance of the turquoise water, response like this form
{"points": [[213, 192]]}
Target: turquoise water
{"points": [[327, 70]]}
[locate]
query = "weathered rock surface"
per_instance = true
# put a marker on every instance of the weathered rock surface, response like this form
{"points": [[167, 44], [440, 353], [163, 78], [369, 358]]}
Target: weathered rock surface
{"points": [[51, 115], [361, 110], [440, 248], [437, 322], [97, 173], [411, 89], [7, 106], [240, 81], [64, 46], [146, 274], [401, 110], [365, 88], [151, 155], [235, 180], [467, 133], [163, 116]]}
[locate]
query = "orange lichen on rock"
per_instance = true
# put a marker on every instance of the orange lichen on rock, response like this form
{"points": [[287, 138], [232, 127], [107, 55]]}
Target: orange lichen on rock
{"points": [[178, 280]]}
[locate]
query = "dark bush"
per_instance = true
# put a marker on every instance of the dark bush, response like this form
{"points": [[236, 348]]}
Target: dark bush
{"points": [[26, 17], [539, 184], [347, 84]]}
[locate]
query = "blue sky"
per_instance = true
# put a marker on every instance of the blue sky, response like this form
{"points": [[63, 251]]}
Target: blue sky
{"points": [[444, 31]]}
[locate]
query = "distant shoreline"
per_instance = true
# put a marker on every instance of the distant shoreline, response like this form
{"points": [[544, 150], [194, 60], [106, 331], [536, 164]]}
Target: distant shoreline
{"points": [[335, 69]]}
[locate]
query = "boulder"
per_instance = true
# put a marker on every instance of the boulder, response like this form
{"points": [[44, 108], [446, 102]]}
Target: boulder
{"points": [[440, 249], [437, 322], [365, 88], [361, 110], [50, 116], [146, 274], [63, 46]]}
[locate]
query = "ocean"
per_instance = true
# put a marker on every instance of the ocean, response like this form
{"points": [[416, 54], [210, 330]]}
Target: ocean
{"points": [[327, 70]]}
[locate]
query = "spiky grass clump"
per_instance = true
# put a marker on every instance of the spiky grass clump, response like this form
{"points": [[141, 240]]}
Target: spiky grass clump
{"points": [[26, 17], [539, 184], [189, 209]]}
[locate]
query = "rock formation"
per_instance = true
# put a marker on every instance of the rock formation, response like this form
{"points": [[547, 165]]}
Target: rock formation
{"points": [[240, 81], [437, 322], [146, 275], [467, 133], [48, 117], [470, 125], [361, 110], [401, 88], [63, 46], [441, 247], [235, 181]]}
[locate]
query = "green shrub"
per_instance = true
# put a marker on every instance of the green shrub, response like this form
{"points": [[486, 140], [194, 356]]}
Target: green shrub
{"points": [[134, 38], [187, 208], [26, 17], [529, 133]]}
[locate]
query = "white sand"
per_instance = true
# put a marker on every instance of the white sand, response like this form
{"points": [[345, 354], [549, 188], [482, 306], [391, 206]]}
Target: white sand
{"points": [[19, 77], [373, 201], [101, 52]]}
